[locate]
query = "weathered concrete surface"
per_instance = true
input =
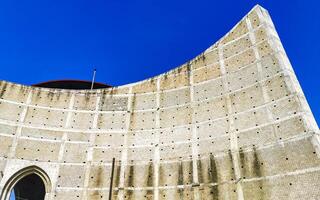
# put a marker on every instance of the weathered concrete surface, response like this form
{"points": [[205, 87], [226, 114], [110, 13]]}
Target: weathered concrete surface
{"points": [[232, 123]]}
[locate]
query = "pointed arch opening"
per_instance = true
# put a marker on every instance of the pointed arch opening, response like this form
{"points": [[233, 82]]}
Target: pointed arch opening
{"points": [[29, 184]]}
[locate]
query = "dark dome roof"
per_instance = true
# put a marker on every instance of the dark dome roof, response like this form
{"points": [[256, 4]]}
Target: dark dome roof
{"points": [[71, 84]]}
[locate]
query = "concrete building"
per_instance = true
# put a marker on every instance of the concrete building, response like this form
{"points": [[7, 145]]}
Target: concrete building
{"points": [[233, 123]]}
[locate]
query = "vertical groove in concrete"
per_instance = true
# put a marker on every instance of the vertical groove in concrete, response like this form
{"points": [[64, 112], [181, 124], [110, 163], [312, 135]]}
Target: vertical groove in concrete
{"points": [[63, 142], [156, 159], [234, 150], [266, 97], [124, 153], [18, 130], [195, 141], [90, 149]]}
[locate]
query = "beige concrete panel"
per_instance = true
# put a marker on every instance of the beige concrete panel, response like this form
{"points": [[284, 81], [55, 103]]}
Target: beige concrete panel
{"points": [[285, 107], [98, 194], [212, 56], [139, 194], [71, 176], [210, 110], [295, 187], [176, 151], [45, 117], [213, 129], [246, 99], [99, 176], [239, 30], [278, 159], [237, 62], [37, 150], [142, 120], [257, 137], [269, 66], [174, 194], [112, 121], [75, 153], [81, 120], [254, 19], [50, 98], [277, 87], [113, 103], [144, 102], [174, 98], [171, 136], [207, 73], [85, 102], [290, 127], [140, 154], [10, 111], [261, 34], [206, 59], [236, 46], [41, 133], [2, 167], [214, 145], [224, 167], [105, 154], [139, 175], [116, 90], [265, 49], [207, 170], [176, 81], [13, 92], [208, 90], [5, 145], [145, 86], [243, 78], [137, 138], [7, 129], [173, 117], [112, 140], [78, 136], [67, 194], [170, 173], [251, 119]]}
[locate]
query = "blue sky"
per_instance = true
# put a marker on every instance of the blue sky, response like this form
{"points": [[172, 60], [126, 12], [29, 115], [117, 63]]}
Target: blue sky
{"points": [[12, 197], [132, 40]]}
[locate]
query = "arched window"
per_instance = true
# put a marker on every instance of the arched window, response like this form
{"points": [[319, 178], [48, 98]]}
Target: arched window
{"points": [[29, 183]]}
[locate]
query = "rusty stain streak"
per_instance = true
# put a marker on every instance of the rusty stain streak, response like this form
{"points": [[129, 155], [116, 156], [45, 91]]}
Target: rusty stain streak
{"points": [[214, 190], [243, 163], [199, 167], [180, 177], [150, 175], [3, 89]]}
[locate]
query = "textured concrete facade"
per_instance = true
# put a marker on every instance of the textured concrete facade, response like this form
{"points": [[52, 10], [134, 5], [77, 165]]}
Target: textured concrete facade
{"points": [[233, 123]]}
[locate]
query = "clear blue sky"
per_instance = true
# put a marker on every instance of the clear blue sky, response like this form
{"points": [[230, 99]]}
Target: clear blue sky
{"points": [[132, 40]]}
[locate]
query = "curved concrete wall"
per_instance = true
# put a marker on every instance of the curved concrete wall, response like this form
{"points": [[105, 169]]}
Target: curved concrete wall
{"points": [[232, 123]]}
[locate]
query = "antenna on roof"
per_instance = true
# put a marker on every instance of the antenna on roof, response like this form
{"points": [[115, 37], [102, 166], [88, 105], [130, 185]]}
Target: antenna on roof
{"points": [[93, 77]]}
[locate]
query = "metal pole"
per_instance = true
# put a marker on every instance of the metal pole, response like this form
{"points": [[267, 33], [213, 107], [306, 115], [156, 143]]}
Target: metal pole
{"points": [[111, 178], [94, 76]]}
